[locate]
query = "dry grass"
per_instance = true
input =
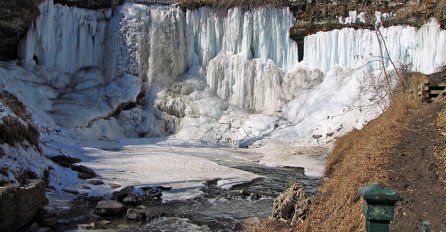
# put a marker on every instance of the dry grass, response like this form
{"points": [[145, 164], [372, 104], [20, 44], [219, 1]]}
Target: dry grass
{"points": [[225, 4], [16, 106], [441, 155], [268, 225], [359, 158], [12, 131]]}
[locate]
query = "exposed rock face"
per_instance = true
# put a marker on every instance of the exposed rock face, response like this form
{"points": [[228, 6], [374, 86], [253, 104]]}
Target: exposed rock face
{"points": [[15, 18], [18, 206], [292, 205], [321, 15], [90, 4]]}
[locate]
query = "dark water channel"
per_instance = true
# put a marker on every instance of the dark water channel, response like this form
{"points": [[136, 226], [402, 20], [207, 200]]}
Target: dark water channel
{"points": [[215, 210]]}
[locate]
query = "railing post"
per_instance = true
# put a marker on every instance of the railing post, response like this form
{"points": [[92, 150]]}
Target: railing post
{"points": [[379, 207], [426, 227]]}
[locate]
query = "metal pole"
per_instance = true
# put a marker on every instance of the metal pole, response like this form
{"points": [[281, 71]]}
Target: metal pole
{"points": [[379, 207]]}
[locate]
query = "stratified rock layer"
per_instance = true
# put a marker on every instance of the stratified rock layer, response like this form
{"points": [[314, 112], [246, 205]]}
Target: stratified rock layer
{"points": [[15, 18], [18, 206]]}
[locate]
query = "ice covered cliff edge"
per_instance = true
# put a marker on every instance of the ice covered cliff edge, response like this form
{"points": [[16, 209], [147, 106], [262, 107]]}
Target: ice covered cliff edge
{"points": [[231, 78]]}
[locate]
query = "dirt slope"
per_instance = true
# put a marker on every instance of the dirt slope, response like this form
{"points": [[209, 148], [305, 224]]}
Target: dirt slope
{"points": [[413, 169]]}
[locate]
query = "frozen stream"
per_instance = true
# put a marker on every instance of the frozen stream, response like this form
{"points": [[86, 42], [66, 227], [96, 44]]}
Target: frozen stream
{"points": [[207, 81], [212, 187]]}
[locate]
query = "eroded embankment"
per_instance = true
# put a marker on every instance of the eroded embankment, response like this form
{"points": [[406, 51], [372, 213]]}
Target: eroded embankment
{"points": [[414, 170], [397, 149]]}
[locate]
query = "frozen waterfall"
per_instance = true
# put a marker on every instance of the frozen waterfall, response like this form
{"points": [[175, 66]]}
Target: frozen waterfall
{"points": [[422, 49], [204, 74], [66, 38]]}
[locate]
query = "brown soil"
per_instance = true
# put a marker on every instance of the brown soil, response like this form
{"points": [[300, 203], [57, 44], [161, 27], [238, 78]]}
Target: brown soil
{"points": [[359, 158], [413, 173]]}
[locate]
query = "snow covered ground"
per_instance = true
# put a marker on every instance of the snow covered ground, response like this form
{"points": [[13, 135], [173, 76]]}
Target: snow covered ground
{"points": [[95, 81]]}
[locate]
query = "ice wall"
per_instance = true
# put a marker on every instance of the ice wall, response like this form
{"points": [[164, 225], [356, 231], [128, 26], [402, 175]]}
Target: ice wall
{"points": [[260, 33], [241, 55], [252, 52], [66, 38], [423, 49], [223, 46], [211, 68]]}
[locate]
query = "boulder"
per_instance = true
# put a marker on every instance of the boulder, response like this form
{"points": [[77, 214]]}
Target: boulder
{"points": [[292, 205], [151, 196], [84, 176], [70, 190], [136, 214], [121, 194], [64, 161], [114, 185], [18, 206], [132, 199], [83, 169], [109, 208], [248, 142], [254, 196], [95, 182]]}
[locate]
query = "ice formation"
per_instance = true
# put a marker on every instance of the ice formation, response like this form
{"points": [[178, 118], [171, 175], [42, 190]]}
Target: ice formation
{"points": [[194, 68], [66, 38], [422, 49], [226, 78]]}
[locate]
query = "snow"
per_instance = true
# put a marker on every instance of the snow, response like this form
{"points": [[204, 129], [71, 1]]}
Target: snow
{"points": [[187, 172], [280, 154], [5, 112]]}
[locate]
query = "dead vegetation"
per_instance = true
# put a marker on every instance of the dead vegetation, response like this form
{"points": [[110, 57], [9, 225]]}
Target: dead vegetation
{"points": [[359, 158], [323, 15], [441, 155], [15, 105], [267, 225], [226, 4], [12, 131], [18, 129]]}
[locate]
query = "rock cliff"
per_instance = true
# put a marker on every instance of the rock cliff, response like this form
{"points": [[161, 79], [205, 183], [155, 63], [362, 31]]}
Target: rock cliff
{"points": [[15, 18]]}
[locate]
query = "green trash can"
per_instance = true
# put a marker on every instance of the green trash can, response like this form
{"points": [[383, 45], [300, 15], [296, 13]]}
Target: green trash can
{"points": [[379, 207]]}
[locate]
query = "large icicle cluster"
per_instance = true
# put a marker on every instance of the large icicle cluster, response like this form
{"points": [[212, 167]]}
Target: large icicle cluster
{"points": [[423, 49], [66, 38], [212, 69], [261, 33]]}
